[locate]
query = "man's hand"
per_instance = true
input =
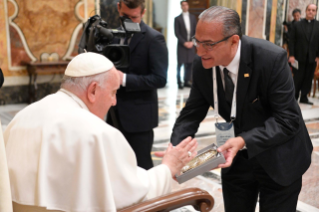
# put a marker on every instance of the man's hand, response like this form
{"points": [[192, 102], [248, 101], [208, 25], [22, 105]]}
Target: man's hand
{"points": [[230, 149], [177, 157], [291, 59], [121, 76], [188, 44], [286, 28], [317, 60]]}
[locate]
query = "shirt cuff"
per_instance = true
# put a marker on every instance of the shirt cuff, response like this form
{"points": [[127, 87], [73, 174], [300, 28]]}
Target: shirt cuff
{"points": [[244, 147], [124, 80]]}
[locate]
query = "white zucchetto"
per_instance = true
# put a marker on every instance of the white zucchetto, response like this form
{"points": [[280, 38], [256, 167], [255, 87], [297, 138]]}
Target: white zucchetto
{"points": [[88, 64]]}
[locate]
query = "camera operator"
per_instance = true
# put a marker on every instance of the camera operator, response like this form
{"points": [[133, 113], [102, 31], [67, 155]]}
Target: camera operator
{"points": [[136, 112]]}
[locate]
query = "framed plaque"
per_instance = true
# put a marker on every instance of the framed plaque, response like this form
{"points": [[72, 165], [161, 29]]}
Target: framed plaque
{"points": [[206, 159]]}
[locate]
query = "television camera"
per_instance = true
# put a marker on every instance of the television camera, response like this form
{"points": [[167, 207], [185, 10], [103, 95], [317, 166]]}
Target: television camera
{"points": [[98, 38]]}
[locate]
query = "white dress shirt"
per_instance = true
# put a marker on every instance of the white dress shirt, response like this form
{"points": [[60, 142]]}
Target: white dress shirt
{"points": [[187, 24], [232, 67], [122, 43]]}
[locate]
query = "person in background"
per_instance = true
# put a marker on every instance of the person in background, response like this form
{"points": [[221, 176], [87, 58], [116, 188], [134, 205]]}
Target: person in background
{"points": [[63, 156], [296, 13], [185, 25], [136, 112], [304, 47], [1, 78]]}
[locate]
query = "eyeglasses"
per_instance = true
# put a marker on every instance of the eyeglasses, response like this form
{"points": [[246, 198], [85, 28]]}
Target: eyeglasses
{"points": [[206, 45]]}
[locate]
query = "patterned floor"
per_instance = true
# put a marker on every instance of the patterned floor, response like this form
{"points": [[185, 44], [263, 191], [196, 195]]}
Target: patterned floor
{"points": [[171, 101]]}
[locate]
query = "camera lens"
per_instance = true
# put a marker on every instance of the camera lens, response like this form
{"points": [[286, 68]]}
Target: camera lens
{"points": [[118, 54], [115, 54]]}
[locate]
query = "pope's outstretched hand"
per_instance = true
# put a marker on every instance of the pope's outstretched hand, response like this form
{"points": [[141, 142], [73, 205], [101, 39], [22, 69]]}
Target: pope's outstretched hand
{"points": [[176, 157]]}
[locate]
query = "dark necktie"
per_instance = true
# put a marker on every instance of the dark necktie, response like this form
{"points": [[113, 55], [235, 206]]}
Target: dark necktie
{"points": [[229, 87]]}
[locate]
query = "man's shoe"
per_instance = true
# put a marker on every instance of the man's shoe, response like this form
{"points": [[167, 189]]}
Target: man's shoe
{"points": [[306, 102], [180, 86]]}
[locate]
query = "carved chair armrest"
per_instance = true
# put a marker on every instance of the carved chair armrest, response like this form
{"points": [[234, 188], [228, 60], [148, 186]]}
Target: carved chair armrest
{"points": [[201, 200]]}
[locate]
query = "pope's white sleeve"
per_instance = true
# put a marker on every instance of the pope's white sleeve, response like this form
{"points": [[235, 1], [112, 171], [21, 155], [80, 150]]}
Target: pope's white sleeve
{"points": [[160, 180]]}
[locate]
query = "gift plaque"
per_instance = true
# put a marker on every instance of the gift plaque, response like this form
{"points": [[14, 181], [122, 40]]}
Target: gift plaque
{"points": [[205, 160]]}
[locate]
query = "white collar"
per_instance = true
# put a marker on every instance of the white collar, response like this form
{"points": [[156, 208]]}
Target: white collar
{"points": [[75, 98], [233, 66], [186, 13]]}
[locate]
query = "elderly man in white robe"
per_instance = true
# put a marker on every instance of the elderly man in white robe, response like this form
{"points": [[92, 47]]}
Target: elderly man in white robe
{"points": [[62, 156]]}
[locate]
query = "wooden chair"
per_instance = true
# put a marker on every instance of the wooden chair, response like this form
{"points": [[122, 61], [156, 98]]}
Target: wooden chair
{"points": [[201, 200]]}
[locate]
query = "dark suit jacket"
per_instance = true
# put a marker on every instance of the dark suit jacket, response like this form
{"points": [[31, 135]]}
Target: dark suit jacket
{"points": [[184, 55], [1, 78], [137, 103], [272, 126], [300, 45]]}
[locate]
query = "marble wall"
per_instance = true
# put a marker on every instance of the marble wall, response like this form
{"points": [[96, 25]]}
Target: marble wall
{"points": [[109, 13], [242, 11], [36, 27], [280, 17], [263, 18], [255, 24], [30, 28]]}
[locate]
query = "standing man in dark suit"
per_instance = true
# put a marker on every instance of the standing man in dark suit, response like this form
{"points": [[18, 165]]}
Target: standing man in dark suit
{"points": [[185, 25], [136, 112], [296, 13], [252, 87], [304, 47]]}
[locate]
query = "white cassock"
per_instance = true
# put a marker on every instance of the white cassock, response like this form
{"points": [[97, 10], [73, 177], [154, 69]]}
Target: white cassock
{"points": [[63, 157]]}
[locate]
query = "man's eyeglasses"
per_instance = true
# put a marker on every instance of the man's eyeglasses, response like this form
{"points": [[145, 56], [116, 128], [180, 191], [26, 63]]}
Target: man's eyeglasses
{"points": [[208, 46]]}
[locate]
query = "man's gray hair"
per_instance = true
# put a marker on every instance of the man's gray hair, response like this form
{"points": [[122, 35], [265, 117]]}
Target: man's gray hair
{"points": [[80, 84], [228, 17]]}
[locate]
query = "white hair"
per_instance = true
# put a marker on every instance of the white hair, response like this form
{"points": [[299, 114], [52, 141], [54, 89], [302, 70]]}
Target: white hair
{"points": [[80, 84], [228, 17]]}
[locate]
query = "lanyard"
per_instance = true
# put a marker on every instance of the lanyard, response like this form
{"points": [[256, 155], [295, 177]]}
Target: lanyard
{"points": [[233, 106]]}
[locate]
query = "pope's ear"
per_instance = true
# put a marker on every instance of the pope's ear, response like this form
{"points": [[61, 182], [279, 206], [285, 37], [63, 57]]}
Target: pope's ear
{"points": [[91, 92]]}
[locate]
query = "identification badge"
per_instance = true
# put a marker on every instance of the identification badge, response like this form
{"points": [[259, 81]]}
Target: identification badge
{"points": [[224, 131]]}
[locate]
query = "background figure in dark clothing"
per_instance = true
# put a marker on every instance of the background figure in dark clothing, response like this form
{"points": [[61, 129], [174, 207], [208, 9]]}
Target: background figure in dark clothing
{"points": [[296, 13], [1, 78], [185, 25], [136, 112], [304, 47]]}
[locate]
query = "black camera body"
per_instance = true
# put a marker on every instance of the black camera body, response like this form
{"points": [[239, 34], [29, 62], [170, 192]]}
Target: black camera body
{"points": [[97, 38]]}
